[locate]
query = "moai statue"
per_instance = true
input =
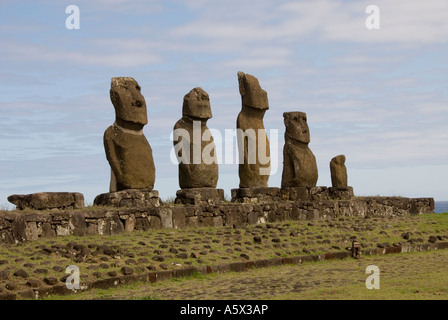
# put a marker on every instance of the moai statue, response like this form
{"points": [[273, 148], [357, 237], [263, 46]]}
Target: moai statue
{"points": [[299, 163], [338, 171], [127, 150], [198, 165], [253, 143]]}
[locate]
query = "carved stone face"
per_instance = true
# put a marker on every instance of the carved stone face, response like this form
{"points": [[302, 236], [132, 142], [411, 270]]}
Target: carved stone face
{"points": [[252, 94], [197, 104], [128, 101], [296, 126]]}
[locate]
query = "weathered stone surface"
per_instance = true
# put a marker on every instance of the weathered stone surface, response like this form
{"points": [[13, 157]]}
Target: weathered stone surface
{"points": [[62, 230], [33, 283], [129, 198], [129, 224], [319, 193], [253, 143], [198, 196], [4, 274], [253, 218], [235, 218], [194, 145], [338, 171], [299, 162], [321, 203], [51, 281], [341, 193], [8, 296], [48, 231], [127, 271], [77, 224], [127, 150], [19, 229], [255, 195], [48, 200], [179, 217], [113, 226], [295, 193], [166, 217], [31, 232], [21, 273]]}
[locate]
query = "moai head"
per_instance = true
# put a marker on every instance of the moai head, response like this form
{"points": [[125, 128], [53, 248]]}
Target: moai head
{"points": [[128, 101], [339, 160], [296, 126], [252, 94], [197, 105]]}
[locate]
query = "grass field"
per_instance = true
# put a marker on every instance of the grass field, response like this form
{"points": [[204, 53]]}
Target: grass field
{"points": [[100, 257], [402, 277]]}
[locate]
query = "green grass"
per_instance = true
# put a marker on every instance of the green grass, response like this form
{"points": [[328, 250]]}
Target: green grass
{"points": [[218, 252], [169, 200], [402, 277]]}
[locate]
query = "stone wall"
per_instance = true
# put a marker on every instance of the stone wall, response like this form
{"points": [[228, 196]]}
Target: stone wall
{"points": [[18, 226]]}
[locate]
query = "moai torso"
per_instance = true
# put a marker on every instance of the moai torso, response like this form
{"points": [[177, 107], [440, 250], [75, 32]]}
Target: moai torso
{"points": [[253, 170], [299, 163], [127, 150], [199, 168], [338, 171]]}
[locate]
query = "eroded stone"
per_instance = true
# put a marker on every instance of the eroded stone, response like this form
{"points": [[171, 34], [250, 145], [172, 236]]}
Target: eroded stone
{"points": [[129, 198], [199, 196], [253, 143], [299, 162], [127, 150], [338, 171], [193, 142], [48, 200]]}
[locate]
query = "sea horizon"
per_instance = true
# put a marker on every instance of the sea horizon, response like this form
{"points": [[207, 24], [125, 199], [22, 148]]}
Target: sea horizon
{"points": [[440, 206]]}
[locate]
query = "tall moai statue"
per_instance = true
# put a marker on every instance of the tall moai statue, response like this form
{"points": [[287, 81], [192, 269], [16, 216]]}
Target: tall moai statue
{"points": [[198, 165], [338, 171], [253, 144], [127, 150], [299, 163]]}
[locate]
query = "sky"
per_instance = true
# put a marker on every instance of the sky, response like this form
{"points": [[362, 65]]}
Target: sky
{"points": [[378, 96]]}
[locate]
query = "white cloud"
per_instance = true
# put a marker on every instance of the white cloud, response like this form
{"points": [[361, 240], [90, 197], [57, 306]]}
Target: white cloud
{"points": [[101, 52], [411, 23]]}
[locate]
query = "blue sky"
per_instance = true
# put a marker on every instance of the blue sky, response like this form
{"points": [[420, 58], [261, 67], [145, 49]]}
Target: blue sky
{"points": [[378, 96]]}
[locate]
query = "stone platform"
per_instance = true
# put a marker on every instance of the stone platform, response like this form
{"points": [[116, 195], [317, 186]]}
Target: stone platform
{"points": [[18, 226], [263, 195], [316, 193], [48, 200], [129, 198], [255, 195], [199, 196]]}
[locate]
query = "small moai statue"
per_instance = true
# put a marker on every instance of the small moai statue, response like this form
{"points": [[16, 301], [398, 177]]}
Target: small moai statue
{"points": [[198, 165], [127, 150], [299, 163], [338, 171], [253, 143]]}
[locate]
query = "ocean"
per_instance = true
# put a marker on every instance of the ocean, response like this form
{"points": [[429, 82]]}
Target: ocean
{"points": [[441, 206]]}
